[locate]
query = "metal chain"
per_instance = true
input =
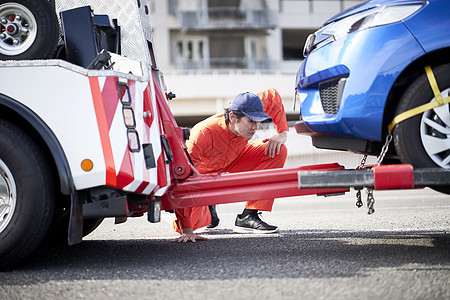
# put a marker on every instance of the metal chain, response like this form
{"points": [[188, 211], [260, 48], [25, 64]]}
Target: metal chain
{"points": [[370, 201], [384, 149], [359, 202], [370, 198], [358, 198], [362, 163], [358, 190]]}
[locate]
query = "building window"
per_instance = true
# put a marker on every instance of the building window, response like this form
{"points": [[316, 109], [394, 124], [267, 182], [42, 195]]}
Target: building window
{"points": [[189, 52], [227, 52], [222, 8], [173, 7]]}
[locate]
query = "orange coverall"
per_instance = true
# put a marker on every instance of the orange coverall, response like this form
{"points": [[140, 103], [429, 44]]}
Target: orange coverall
{"points": [[215, 149]]}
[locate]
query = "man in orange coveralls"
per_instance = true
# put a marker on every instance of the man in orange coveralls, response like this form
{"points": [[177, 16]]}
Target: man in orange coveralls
{"points": [[221, 144]]}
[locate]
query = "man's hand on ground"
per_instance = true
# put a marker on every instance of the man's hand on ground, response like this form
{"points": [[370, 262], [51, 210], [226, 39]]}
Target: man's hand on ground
{"points": [[189, 236]]}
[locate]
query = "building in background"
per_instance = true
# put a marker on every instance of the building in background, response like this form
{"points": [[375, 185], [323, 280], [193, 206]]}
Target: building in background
{"points": [[211, 50]]}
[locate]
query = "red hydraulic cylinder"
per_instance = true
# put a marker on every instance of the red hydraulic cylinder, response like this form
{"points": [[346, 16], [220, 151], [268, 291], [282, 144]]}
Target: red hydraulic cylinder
{"points": [[210, 189]]}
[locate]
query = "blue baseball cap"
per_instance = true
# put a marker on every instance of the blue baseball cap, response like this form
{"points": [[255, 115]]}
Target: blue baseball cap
{"points": [[251, 106]]}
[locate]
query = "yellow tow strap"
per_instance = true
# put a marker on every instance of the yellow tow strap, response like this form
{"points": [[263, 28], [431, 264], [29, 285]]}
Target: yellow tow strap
{"points": [[422, 108]]}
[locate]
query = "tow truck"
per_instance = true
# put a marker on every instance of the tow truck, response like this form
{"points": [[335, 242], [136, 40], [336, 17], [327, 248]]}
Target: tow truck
{"points": [[86, 132]]}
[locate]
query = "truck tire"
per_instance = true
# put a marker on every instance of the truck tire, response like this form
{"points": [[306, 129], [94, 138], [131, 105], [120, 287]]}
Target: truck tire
{"points": [[58, 232], [26, 195], [89, 225], [424, 140], [29, 29]]}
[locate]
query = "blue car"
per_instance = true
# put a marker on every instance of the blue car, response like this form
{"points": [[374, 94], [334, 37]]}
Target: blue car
{"points": [[365, 66]]}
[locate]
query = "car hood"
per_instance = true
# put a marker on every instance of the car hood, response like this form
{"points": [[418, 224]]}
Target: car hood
{"points": [[364, 6]]}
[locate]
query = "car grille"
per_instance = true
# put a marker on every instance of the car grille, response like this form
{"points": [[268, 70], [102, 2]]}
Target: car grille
{"points": [[329, 97]]}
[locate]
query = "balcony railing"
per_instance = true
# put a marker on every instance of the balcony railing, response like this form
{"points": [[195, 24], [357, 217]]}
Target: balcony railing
{"points": [[228, 18], [226, 63]]}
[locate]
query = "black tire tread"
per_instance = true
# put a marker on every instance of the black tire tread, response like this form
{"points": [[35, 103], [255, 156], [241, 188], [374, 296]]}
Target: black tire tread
{"points": [[48, 30], [407, 140], [35, 205]]}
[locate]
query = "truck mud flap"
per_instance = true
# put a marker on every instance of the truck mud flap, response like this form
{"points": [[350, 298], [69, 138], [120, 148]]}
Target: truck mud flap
{"points": [[75, 234]]}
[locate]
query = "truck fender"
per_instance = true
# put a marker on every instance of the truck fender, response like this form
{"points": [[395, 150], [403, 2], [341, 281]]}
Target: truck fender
{"points": [[48, 137]]}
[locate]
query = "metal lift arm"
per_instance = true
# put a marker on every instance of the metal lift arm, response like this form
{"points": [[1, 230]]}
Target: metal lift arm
{"points": [[210, 189], [385, 177]]}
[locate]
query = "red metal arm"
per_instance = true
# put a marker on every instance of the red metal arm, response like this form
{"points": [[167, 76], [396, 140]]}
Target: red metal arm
{"points": [[210, 189], [181, 168]]}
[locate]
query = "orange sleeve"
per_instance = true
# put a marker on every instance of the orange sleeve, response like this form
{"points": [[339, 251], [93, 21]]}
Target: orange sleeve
{"points": [[200, 142], [183, 217], [273, 106]]}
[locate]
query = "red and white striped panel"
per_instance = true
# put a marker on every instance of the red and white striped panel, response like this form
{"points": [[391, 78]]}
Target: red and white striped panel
{"points": [[127, 170]]}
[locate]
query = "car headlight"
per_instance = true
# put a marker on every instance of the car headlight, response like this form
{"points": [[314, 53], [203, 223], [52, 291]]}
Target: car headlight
{"points": [[377, 16]]}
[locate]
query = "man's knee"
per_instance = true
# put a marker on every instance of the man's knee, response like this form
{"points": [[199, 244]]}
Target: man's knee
{"points": [[280, 159], [283, 152]]}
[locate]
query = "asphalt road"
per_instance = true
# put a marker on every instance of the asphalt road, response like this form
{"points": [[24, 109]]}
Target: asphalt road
{"points": [[326, 249]]}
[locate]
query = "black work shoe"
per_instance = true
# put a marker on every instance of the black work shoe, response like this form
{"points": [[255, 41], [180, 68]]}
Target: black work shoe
{"points": [[215, 221], [252, 224]]}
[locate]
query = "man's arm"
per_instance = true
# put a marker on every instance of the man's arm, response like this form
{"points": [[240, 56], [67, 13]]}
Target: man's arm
{"points": [[183, 215], [273, 106], [183, 221]]}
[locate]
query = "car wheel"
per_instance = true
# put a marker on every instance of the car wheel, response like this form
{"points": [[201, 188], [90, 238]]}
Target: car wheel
{"points": [[424, 140], [28, 29], [26, 195]]}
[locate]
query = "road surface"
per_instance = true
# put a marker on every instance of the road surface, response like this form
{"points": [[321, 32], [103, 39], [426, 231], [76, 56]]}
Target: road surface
{"points": [[326, 249]]}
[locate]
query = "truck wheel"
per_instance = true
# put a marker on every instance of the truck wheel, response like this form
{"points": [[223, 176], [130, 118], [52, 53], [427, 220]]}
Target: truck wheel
{"points": [[28, 29], [58, 232], [89, 225], [26, 195], [424, 140]]}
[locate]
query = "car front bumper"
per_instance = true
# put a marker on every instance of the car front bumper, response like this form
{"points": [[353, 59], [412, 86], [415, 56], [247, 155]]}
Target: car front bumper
{"points": [[345, 84]]}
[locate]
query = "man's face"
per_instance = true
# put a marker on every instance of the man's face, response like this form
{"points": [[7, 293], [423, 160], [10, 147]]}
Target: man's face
{"points": [[244, 126]]}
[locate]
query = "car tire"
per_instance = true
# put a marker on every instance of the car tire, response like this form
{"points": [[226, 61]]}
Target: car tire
{"points": [[422, 140], [26, 195], [29, 29]]}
